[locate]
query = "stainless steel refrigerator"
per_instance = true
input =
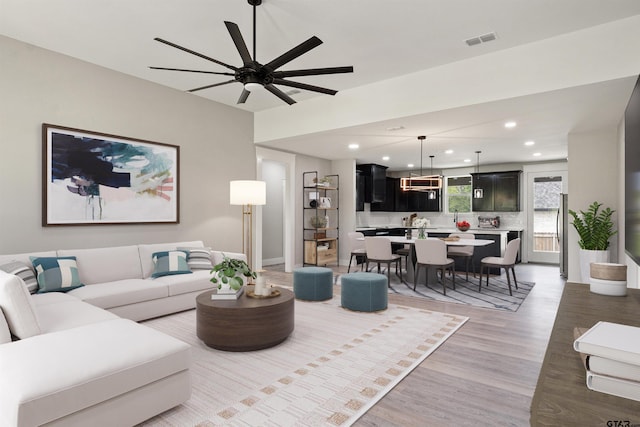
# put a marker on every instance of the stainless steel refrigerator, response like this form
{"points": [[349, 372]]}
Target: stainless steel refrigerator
{"points": [[562, 230]]}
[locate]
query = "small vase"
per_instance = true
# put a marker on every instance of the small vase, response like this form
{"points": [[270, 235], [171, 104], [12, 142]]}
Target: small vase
{"points": [[422, 234]]}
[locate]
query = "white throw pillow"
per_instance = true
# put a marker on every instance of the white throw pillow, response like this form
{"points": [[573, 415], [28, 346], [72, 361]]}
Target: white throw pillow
{"points": [[5, 334], [18, 307]]}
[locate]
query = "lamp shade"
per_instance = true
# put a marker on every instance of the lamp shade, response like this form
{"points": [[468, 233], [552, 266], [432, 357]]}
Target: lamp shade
{"points": [[247, 192]]}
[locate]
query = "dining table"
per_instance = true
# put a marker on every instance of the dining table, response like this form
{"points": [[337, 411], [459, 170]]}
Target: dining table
{"points": [[432, 278]]}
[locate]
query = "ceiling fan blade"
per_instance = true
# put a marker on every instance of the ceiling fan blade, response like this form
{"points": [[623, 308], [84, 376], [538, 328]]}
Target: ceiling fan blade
{"points": [[304, 86], [243, 96], [292, 54], [312, 72], [280, 94], [191, 71], [193, 52], [213, 85], [237, 38]]}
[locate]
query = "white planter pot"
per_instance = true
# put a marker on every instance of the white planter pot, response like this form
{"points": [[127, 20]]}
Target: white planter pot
{"points": [[587, 257], [224, 288]]}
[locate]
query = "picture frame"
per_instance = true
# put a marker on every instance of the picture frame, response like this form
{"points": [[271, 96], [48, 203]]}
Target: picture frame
{"points": [[91, 178]]}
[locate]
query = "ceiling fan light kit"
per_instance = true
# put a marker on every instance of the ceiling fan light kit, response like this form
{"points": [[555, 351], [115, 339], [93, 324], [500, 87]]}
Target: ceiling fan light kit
{"points": [[254, 75]]}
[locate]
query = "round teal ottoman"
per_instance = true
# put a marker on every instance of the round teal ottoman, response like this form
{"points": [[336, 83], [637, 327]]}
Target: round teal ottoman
{"points": [[364, 291], [313, 283]]}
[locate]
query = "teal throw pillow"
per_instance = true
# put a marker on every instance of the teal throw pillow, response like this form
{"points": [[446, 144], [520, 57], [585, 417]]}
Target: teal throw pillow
{"points": [[56, 274], [170, 262]]}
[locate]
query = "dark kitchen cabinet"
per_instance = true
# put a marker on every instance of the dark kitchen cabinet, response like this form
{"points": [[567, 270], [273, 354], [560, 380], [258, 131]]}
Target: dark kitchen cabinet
{"points": [[500, 191], [401, 198], [359, 191], [419, 201], [375, 182], [389, 204]]}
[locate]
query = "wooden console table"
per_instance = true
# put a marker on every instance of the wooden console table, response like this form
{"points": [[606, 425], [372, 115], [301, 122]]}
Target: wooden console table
{"points": [[561, 397]]}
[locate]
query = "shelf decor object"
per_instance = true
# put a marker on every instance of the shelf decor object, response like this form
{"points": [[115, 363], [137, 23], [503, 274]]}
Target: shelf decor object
{"points": [[248, 194]]}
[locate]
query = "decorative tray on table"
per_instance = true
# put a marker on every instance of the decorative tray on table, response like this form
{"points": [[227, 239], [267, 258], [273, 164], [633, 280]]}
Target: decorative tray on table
{"points": [[450, 239], [274, 293]]}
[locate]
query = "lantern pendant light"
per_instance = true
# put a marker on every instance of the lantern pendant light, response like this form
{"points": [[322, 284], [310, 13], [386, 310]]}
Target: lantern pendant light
{"points": [[478, 193], [432, 193]]}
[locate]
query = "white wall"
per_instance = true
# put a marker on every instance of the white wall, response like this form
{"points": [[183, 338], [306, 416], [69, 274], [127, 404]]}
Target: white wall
{"points": [[593, 176], [346, 170], [273, 173], [39, 86]]}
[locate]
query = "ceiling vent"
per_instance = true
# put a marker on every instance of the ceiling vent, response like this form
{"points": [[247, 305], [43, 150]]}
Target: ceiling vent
{"points": [[481, 39]]}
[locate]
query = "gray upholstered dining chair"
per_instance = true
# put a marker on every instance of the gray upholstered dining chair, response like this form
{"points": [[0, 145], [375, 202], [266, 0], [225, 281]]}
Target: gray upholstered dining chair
{"points": [[508, 261], [465, 252], [431, 252], [356, 245], [379, 252]]}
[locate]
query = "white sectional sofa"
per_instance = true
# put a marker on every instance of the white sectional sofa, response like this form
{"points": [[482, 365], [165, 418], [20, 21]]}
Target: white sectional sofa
{"points": [[79, 358]]}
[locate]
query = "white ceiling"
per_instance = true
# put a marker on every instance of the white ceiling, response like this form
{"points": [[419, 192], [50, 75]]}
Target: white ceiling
{"points": [[382, 39]]}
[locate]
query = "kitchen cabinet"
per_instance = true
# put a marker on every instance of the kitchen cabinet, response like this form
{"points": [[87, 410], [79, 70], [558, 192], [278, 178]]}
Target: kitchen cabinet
{"points": [[359, 191], [501, 191], [419, 201], [375, 182], [392, 185]]}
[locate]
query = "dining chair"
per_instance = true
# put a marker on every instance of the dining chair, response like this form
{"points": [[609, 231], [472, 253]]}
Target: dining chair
{"points": [[507, 262], [379, 252], [356, 243], [431, 252], [465, 252]]}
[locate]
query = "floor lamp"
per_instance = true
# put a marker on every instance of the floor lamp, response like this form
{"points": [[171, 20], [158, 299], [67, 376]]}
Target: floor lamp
{"points": [[247, 194]]}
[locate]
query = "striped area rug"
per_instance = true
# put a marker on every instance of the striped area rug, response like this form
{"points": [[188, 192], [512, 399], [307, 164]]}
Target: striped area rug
{"points": [[336, 365], [496, 296]]}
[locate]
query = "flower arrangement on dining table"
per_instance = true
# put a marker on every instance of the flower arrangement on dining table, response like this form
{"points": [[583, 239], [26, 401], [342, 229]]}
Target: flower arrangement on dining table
{"points": [[463, 225], [421, 224]]}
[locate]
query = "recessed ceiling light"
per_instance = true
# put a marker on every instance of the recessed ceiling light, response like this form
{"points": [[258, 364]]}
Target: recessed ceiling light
{"points": [[449, 152], [385, 158], [353, 146], [467, 160], [537, 154], [410, 165], [529, 143], [510, 125], [394, 128]]}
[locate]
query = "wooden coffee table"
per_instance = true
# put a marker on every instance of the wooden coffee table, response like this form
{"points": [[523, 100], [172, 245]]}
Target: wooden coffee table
{"points": [[244, 324]]}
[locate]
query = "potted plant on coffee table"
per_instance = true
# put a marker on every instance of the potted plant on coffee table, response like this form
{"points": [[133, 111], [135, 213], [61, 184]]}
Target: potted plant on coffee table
{"points": [[594, 228], [230, 274]]}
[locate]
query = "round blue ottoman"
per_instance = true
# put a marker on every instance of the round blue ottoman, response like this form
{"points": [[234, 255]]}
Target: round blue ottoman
{"points": [[313, 283], [364, 291]]}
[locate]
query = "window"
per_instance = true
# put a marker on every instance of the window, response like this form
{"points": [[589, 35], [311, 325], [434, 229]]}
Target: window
{"points": [[459, 194]]}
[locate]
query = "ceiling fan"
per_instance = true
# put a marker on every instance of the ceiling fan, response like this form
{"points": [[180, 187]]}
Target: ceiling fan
{"points": [[253, 74]]}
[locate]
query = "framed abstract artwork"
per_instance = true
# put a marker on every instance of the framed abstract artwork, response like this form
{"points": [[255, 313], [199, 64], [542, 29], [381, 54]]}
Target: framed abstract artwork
{"points": [[94, 178]]}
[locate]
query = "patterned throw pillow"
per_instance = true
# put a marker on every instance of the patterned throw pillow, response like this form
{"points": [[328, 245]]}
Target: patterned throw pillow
{"points": [[198, 258], [56, 274], [23, 271], [170, 262]]}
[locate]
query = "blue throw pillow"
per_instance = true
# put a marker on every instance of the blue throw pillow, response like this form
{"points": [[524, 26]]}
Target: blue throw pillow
{"points": [[56, 274], [170, 262]]}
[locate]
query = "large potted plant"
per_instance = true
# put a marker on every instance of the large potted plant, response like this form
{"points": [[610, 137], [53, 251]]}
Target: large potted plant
{"points": [[594, 228], [230, 274]]}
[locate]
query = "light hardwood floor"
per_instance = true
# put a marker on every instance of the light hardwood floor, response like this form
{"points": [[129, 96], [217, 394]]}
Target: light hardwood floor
{"points": [[486, 373]]}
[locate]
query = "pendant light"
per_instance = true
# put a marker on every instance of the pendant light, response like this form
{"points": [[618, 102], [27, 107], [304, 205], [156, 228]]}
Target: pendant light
{"points": [[478, 193], [432, 193], [421, 183]]}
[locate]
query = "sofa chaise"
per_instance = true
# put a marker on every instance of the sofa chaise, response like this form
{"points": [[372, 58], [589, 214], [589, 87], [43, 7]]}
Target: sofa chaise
{"points": [[79, 358]]}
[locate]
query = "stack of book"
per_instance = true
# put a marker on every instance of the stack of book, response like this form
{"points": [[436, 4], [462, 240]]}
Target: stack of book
{"points": [[611, 355]]}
